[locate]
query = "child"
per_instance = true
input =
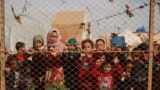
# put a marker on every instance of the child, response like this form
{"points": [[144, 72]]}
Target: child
{"points": [[100, 59], [107, 76], [105, 79], [13, 74], [39, 68], [139, 72], [38, 63], [26, 80], [22, 53], [69, 59], [54, 41], [20, 47], [54, 63], [38, 42], [100, 45], [84, 65], [125, 82]]}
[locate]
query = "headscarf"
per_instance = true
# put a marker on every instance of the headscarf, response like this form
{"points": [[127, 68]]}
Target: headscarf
{"points": [[58, 45], [37, 38]]}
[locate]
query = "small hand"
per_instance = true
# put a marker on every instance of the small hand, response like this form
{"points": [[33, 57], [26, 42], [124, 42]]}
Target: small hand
{"points": [[7, 70]]}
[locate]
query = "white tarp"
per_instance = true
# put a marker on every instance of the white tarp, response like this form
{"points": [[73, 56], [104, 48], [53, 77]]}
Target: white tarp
{"points": [[156, 38], [15, 32], [130, 38]]}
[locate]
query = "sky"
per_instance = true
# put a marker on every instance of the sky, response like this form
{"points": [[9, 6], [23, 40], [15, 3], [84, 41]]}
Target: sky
{"points": [[40, 14]]}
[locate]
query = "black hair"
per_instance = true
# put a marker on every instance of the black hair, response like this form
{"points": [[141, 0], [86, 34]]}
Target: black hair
{"points": [[100, 40], [19, 45], [134, 50], [27, 62], [99, 55], [89, 41], [105, 63], [11, 58], [143, 46]]}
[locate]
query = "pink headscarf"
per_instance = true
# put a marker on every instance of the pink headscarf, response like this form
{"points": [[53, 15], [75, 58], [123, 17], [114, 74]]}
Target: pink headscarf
{"points": [[58, 45]]}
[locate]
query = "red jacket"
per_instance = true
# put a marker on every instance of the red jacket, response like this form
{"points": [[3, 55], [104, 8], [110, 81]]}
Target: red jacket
{"points": [[105, 80], [84, 77]]}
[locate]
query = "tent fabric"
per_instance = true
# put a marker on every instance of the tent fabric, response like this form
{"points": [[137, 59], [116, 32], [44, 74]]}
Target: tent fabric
{"points": [[130, 38], [118, 41], [141, 29], [156, 38]]}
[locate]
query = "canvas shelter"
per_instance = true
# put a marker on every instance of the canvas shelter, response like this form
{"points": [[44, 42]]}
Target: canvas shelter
{"points": [[71, 25], [132, 40]]}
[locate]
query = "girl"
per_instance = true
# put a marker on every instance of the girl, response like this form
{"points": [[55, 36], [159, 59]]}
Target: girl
{"points": [[38, 63], [54, 64], [84, 65], [100, 45], [54, 41], [38, 42]]}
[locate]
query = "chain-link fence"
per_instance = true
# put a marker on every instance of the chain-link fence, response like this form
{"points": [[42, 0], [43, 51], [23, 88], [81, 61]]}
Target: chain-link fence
{"points": [[80, 45]]}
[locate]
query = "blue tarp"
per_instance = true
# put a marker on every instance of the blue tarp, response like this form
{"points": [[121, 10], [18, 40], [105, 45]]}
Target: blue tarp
{"points": [[141, 29], [118, 41]]}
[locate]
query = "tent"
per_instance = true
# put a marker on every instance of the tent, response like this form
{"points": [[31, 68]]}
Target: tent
{"points": [[131, 39], [156, 38], [71, 25]]}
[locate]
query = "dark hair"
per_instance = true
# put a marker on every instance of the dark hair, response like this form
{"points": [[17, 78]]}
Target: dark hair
{"points": [[11, 58], [27, 62], [134, 50], [105, 63], [19, 45], [89, 41], [98, 55], [143, 46], [100, 40]]}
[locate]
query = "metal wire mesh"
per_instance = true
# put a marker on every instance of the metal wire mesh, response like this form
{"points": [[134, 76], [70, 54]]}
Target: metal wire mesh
{"points": [[79, 45]]}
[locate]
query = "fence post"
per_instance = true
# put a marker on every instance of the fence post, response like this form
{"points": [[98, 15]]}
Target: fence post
{"points": [[151, 29], [2, 45]]}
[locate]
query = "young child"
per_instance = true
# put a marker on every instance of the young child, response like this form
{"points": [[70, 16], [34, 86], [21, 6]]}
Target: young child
{"points": [[69, 59], [125, 82], [54, 41], [22, 53], [100, 45], [20, 47], [105, 79], [13, 74], [26, 80], [95, 71], [107, 76], [54, 64], [38, 63], [84, 65], [38, 42], [139, 71]]}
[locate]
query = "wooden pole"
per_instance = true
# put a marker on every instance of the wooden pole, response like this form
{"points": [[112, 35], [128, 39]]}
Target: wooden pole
{"points": [[151, 29], [2, 45]]}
